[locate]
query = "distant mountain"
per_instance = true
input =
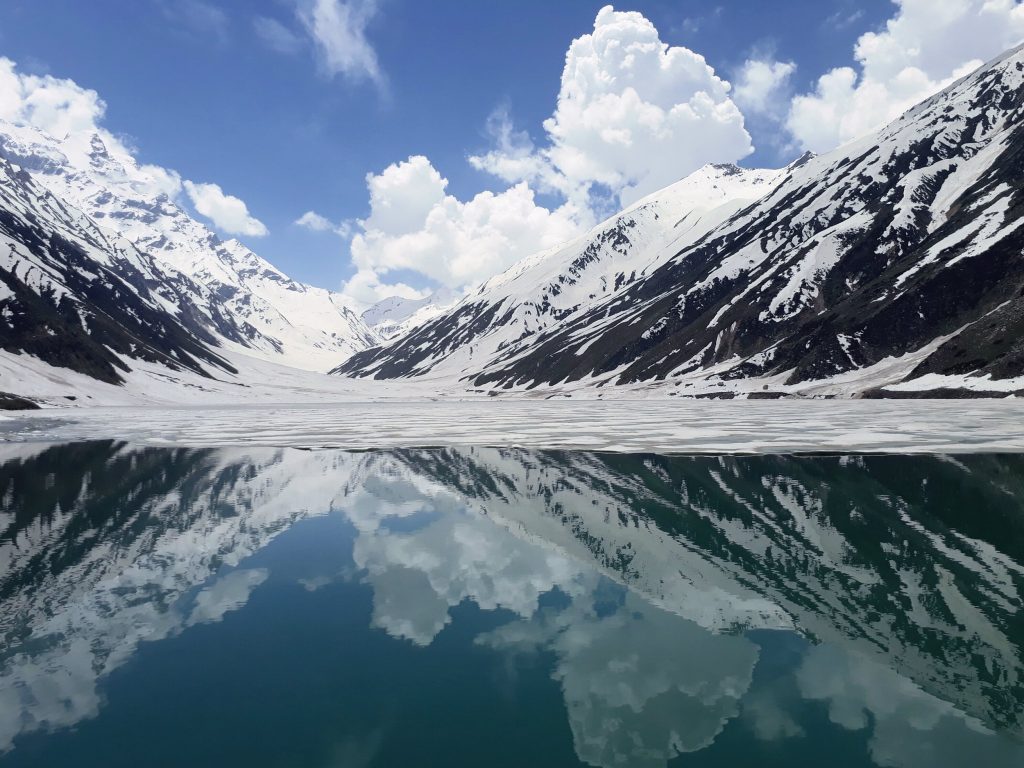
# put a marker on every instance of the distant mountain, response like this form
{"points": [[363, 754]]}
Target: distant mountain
{"points": [[395, 316], [239, 296], [895, 258]]}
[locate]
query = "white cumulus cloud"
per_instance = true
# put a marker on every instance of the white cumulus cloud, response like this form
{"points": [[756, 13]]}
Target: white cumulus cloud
{"points": [[924, 47], [760, 85], [72, 114], [57, 106], [339, 31], [415, 225], [160, 181], [228, 213], [633, 114]]}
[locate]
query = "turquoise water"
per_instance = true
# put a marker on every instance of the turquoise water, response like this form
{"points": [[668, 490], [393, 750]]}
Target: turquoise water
{"points": [[486, 607]]}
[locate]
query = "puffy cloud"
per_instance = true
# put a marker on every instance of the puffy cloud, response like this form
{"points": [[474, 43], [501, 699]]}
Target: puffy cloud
{"points": [[403, 196], [228, 593], [314, 221], [415, 225], [905, 725], [339, 31], [924, 47], [155, 180], [633, 114], [366, 287], [227, 213], [276, 35], [57, 106], [72, 114], [515, 158], [760, 85]]}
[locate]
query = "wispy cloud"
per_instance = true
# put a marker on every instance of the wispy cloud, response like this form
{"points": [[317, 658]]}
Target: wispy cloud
{"points": [[276, 35], [844, 18], [691, 25], [199, 18], [316, 222], [338, 30]]}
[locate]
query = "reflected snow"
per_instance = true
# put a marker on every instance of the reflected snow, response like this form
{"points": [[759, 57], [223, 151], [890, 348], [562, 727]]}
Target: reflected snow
{"points": [[602, 609]]}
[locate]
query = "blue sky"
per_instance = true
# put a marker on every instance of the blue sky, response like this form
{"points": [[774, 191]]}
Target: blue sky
{"points": [[196, 88]]}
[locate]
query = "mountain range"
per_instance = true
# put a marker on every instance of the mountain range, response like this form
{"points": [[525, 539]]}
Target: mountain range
{"points": [[893, 259], [888, 267]]}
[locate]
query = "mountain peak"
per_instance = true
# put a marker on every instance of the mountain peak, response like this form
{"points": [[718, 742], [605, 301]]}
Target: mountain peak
{"points": [[98, 147], [726, 169], [805, 158]]}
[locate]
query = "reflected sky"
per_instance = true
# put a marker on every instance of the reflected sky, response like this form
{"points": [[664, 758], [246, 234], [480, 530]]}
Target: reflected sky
{"points": [[508, 607]]}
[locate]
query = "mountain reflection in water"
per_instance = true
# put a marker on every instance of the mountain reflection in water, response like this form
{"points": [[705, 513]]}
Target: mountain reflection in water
{"points": [[508, 607]]}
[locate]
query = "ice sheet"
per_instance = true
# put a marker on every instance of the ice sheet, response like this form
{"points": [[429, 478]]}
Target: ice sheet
{"points": [[683, 426]]}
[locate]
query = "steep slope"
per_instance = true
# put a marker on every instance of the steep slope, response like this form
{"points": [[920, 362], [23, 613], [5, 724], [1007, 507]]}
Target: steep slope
{"points": [[899, 253], [554, 286], [273, 316], [76, 296]]}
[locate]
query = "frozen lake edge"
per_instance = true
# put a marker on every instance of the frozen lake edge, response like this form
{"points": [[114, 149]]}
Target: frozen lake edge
{"points": [[642, 426]]}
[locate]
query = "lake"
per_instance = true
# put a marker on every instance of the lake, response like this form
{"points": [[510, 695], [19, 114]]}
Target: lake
{"points": [[508, 607]]}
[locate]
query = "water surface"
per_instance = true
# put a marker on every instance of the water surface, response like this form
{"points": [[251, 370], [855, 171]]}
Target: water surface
{"points": [[508, 607]]}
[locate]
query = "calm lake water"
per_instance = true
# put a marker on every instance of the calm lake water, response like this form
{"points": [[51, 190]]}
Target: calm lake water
{"points": [[489, 607]]}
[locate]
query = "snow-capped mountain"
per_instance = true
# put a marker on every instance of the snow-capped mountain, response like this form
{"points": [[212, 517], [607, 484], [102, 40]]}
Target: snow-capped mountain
{"points": [[396, 316], [895, 258], [553, 286], [892, 263], [81, 297], [268, 314]]}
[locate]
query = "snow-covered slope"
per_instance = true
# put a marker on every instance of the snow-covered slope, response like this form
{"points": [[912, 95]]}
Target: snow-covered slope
{"points": [[395, 316], [80, 297], [268, 314], [552, 287], [895, 258]]}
